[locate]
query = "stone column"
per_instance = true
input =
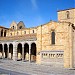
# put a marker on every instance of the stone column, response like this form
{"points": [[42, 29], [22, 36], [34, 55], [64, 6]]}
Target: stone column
{"points": [[74, 49], [29, 52], [3, 33], [14, 52], [3, 51], [71, 46], [8, 52], [22, 52]]}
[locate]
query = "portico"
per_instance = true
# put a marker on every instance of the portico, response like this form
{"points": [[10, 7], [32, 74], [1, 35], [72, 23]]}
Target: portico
{"points": [[19, 50]]}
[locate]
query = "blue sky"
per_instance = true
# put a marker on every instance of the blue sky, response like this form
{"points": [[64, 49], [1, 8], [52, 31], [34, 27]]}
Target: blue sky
{"points": [[31, 12]]}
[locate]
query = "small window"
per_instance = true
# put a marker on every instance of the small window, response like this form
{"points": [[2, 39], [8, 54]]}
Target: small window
{"points": [[68, 16], [5, 33], [17, 33], [33, 31], [1, 32], [53, 37], [53, 55], [24, 32], [13, 27], [46, 54], [11, 34], [20, 27]]}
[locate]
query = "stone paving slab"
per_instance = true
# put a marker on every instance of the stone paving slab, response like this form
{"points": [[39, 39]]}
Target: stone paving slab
{"points": [[34, 69]]}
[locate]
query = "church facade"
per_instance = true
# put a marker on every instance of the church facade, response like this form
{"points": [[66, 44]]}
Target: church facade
{"points": [[52, 43]]}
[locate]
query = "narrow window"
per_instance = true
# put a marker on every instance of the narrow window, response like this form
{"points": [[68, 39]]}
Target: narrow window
{"points": [[17, 33], [53, 37], [33, 31], [67, 14], [24, 32], [13, 27], [20, 27], [11, 34], [5, 33], [1, 32]]}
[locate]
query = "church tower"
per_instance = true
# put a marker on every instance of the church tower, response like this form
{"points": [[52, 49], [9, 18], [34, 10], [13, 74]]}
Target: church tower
{"points": [[67, 15]]}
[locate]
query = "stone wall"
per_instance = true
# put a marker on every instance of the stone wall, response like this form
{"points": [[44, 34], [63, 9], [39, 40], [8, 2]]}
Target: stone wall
{"points": [[21, 32], [63, 40], [62, 16]]}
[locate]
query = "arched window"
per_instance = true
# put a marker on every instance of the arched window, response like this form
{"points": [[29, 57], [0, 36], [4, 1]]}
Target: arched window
{"points": [[13, 27], [1, 32], [24, 32], [53, 37], [20, 27], [5, 33], [68, 14], [33, 31]]}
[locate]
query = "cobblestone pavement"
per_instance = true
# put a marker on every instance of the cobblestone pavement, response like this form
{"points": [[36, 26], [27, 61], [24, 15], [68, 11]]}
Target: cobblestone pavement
{"points": [[33, 69]]}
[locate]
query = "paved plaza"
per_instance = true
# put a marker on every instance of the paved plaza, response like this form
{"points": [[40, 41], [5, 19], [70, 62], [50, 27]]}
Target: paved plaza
{"points": [[11, 67]]}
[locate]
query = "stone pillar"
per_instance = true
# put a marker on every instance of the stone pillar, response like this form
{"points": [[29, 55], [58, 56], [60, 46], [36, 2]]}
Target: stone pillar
{"points": [[22, 52], [14, 52], [3, 33], [71, 46], [3, 51], [29, 52], [8, 52], [74, 49]]}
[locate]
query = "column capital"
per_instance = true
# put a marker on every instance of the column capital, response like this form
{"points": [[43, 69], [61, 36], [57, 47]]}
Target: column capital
{"points": [[22, 46], [29, 45]]}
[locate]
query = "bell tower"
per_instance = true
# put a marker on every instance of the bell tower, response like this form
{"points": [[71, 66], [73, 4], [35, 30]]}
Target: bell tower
{"points": [[67, 15]]}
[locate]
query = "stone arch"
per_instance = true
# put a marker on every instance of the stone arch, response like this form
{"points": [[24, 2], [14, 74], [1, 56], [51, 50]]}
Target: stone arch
{"points": [[11, 51], [19, 51], [5, 33], [26, 51], [1, 50], [5, 50], [2, 33], [33, 51]]}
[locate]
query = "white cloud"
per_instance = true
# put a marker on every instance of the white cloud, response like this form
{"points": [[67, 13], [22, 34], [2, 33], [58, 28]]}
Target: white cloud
{"points": [[34, 3]]}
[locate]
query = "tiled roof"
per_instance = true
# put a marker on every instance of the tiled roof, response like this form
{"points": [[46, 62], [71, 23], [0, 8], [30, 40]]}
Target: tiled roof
{"points": [[3, 27], [23, 37]]}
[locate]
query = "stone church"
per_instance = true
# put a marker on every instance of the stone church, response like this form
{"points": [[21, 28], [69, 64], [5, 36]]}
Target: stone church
{"points": [[52, 43]]}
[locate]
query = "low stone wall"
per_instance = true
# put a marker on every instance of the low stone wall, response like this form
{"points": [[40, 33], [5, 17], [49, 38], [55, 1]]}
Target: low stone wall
{"points": [[52, 57]]}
